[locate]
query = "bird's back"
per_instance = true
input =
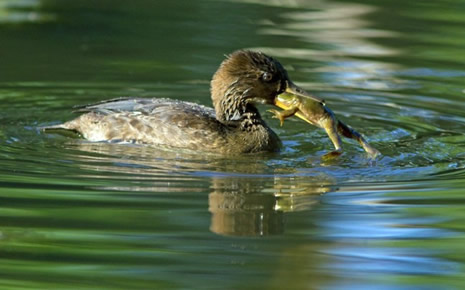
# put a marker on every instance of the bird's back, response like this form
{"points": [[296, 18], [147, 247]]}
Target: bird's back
{"points": [[154, 121], [170, 123]]}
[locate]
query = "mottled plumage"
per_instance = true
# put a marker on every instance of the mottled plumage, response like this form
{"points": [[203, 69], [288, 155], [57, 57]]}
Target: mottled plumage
{"points": [[171, 123], [244, 79]]}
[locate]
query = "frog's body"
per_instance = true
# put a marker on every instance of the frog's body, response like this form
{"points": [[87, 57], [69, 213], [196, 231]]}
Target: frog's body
{"points": [[315, 112]]}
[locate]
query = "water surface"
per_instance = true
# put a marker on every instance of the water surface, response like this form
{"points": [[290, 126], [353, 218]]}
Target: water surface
{"points": [[75, 214]]}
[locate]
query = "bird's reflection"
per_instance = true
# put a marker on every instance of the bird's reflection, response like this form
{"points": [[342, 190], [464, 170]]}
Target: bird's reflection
{"points": [[245, 207], [247, 196]]}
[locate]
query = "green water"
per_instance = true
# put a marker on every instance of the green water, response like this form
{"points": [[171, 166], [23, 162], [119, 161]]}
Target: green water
{"points": [[75, 214]]}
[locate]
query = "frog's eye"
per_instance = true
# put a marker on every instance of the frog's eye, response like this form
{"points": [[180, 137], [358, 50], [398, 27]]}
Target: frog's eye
{"points": [[266, 76]]}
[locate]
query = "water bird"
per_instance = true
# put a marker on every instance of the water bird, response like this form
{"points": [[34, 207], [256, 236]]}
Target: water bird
{"points": [[233, 126]]}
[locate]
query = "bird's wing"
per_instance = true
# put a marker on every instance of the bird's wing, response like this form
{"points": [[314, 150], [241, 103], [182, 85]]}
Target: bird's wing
{"points": [[145, 106]]}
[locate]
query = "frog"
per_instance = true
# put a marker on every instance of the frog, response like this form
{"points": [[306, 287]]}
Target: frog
{"points": [[315, 111]]}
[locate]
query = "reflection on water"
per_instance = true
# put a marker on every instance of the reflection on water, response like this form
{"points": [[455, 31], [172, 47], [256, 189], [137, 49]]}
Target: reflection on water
{"points": [[97, 215], [240, 207], [245, 214], [347, 37], [19, 11], [341, 28], [244, 205]]}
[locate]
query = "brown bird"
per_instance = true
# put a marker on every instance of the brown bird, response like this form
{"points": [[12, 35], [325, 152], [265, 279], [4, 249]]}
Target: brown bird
{"points": [[243, 80]]}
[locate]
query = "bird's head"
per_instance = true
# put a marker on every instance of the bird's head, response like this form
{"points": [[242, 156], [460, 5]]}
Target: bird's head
{"points": [[246, 78]]}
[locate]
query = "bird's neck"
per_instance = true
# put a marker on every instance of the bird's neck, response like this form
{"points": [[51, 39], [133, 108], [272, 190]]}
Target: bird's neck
{"points": [[233, 110], [231, 101]]}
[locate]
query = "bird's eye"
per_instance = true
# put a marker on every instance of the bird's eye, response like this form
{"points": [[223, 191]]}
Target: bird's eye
{"points": [[266, 76]]}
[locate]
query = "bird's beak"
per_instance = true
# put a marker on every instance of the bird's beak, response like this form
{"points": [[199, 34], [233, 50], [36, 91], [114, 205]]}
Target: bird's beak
{"points": [[298, 100]]}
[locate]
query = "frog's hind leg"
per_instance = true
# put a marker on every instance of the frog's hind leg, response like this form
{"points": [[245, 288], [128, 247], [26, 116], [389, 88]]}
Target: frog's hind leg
{"points": [[330, 125], [348, 132]]}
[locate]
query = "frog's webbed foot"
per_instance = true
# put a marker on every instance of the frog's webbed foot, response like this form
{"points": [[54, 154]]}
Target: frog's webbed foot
{"points": [[332, 155], [277, 115], [348, 132], [372, 152]]}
